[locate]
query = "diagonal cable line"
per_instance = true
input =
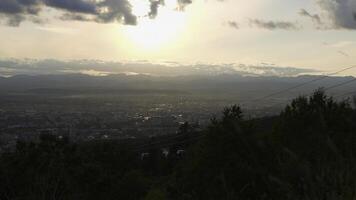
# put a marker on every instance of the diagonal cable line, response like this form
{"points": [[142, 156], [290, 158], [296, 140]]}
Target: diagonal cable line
{"points": [[159, 143], [305, 83], [340, 84], [345, 94], [326, 89]]}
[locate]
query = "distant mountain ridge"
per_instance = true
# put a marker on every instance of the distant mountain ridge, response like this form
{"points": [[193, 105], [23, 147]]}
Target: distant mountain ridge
{"points": [[12, 67], [226, 83]]}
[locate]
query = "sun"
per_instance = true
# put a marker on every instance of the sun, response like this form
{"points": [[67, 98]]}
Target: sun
{"points": [[153, 34]]}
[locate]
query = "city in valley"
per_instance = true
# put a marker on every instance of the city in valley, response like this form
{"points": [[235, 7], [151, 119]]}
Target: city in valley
{"points": [[130, 107]]}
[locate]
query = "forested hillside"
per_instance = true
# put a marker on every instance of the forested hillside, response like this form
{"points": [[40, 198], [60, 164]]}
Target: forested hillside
{"points": [[307, 152]]}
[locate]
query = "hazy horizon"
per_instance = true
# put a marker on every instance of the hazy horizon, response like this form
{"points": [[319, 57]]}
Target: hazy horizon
{"points": [[11, 67]]}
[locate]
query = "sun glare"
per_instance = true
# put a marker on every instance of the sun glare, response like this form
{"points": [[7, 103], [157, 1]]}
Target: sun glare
{"points": [[152, 34]]}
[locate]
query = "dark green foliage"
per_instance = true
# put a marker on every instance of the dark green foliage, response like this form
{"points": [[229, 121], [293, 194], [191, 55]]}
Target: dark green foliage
{"points": [[308, 155], [308, 152], [56, 169], [318, 124]]}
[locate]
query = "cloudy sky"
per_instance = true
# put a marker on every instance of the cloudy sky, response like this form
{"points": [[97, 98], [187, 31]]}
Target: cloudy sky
{"points": [[314, 34]]}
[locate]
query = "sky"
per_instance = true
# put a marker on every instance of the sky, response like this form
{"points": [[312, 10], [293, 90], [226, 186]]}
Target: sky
{"points": [[312, 34]]}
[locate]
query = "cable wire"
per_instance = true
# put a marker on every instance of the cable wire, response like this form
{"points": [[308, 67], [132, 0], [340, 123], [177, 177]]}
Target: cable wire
{"points": [[303, 84]]}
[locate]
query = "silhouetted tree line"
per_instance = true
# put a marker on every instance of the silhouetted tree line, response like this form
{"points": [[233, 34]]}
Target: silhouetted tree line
{"points": [[307, 152]]}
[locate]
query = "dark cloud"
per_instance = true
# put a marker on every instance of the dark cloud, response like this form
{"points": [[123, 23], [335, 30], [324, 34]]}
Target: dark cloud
{"points": [[104, 11], [273, 25], [115, 10], [314, 17], [74, 17], [154, 4], [14, 20], [10, 7], [80, 6], [343, 53], [340, 12], [19, 6], [183, 3], [99, 11], [336, 14], [233, 24], [14, 11]]}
